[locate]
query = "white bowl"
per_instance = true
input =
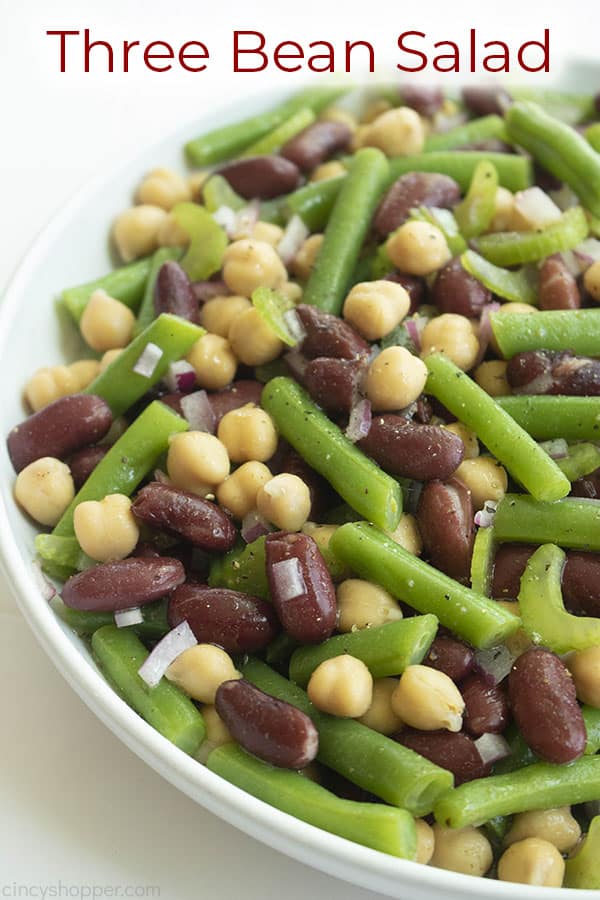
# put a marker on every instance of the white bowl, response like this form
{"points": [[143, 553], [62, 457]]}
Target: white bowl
{"points": [[73, 248]]}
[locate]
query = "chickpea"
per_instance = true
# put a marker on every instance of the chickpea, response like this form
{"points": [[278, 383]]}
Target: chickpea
{"points": [[135, 231], [321, 535], [428, 700], [468, 437], [464, 850], [359, 137], [44, 489], [109, 357], [171, 234], [374, 308], [395, 379], [418, 248], [217, 733], [557, 826], [591, 281], [284, 501], [106, 529], [197, 462], [267, 232], [218, 314], [196, 181], [485, 478], [491, 376], [164, 188], [201, 669], [503, 210], [248, 433], [374, 109], [532, 861], [407, 534], [248, 264], [238, 492], [362, 604], [425, 841], [397, 132], [306, 257], [253, 341], [106, 323], [451, 334], [380, 716], [584, 666], [84, 371], [292, 291], [213, 360], [51, 383], [335, 114], [332, 169], [341, 686]]}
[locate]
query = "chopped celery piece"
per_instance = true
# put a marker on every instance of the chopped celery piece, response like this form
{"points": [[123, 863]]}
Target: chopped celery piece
{"points": [[446, 222], [510, 248], [477, 209], [519, 285], [217, 192], [482, 561], [208, 241], [272, 307], [274, 140]]}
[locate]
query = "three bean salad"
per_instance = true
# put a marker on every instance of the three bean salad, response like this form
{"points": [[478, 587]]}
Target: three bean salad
{"points": [[324, 493]]}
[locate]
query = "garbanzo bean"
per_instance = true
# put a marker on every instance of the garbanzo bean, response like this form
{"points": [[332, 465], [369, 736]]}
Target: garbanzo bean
{"points": [[362, 604], [267, 232], [425, 841], [336, 114], [557, 826], [375, 308], [248, 264], [584, 666], [239, 490], [395, 379], [106, 529], [332, 169], [253, 341], [453, 335], [197, 462], [380, 716], [248, 433], [214, 362], [591, 281], [291, 290], [532, 861], [418, 248], [397, 132], [428, 700], [109, 357], [164, 188], [136, 231], [464, 850], [468, 437], [284, 501], [200, 670], [407, 534], [51, 383], [218, 314], [485, 478], [491, 376], [341, 686], [44, 489], [171, 233], [106, 323], [306, 257], [503, 210]]}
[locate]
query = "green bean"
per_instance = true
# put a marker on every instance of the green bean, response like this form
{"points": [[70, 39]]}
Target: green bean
{"points": [[313, 202], [511, 248], [120, 386], [229, 140], [275, 139], [120, 654], [592, 135], [363, 756], [357, 479], [242, 569], [495, 831], [385, 650], [128, 460], [514, 172], [374, 556], [582, 460], [526, 461], [374, 825], [146, 312], [519, 285], [577, 330], [564, 105], [570, 523], [547, 417], [583, 870], [522, 755], [482, 561], [560, 149], [539, 786], [54, 550], [126, 284], [476, 211], [483, 129], [346, 230], [591, 718], [154, 626], [279, 651]]}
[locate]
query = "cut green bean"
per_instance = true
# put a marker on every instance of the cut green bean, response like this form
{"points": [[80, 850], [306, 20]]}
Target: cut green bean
{"points": [[242, 569], [120, 386], [484, 129], [154, 626], [374, 825], [591, 718], [275, 139], [357, 479], [522, 755], [570, 523], [514, 172], [146, 312], [539, 786], [126, 284], [582, 460], [592, 135], [279, 651], [512, 248], [476, 211], [520, 285], [313, 202], [564, 105], [582, 871], [128, 460], [374, 556], [54, 550], [363, 756], [577, 330], [385, 650], [346, 230], [120, 654], [482, 561], [547, 417], [526, 461]]}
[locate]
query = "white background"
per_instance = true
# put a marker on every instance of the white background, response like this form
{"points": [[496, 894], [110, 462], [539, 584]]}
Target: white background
{"points": [[77, 807]]}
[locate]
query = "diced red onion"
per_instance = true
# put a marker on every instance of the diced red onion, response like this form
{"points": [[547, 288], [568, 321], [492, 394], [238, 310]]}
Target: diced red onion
{"points": [[166, 651], [415, 326], [537, 207], [360, 420], [180, 377], [294, 324], [484, 518], [254, 526], [198, 412], [294, 236], [485, 330], [161, 477], [148, 360], [571, 262], [288, 579], [245, 220], [46, 588], [296, 363], [495, 663], [226, 217], [131, 616], [443, 121], [492, 747], [587, 252], [556, 448]]}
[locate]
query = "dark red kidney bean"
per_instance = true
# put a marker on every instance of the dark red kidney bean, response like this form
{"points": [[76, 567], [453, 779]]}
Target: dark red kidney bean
{"points": [[545, 179], [315, 144], [445, 519], [328, 335], [271, 729], [456, 291], [545, 708], [450, 656], [239, 394], [237, 622], [486, 706], [59, 429], [483, 101], [588, 486], [173, 293], [263, 177], [195, 562], [322, 495], [334, 383], [83, 463], [208, 290], [550, 372], [413, 189], [190, 517], [122, 584], [557, 288], [309, 617], [422, 452], [415, 287], [454, 751], [509, 565], [146, 548], [426, 99]]}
